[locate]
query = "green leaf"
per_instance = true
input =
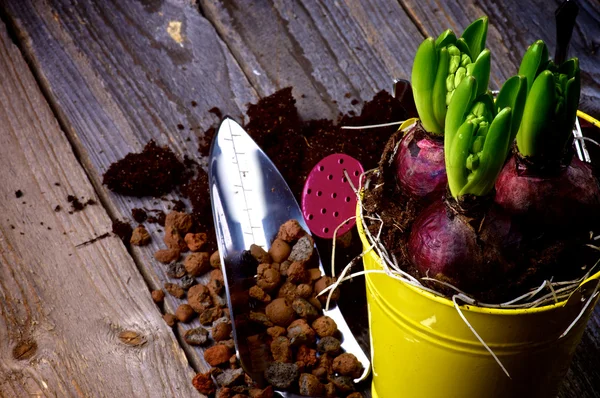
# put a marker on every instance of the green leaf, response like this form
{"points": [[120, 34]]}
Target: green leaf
{"points": [[462, 45], [534, 60], [439, 88], [458, 108], [513, 95], [423, 79], [446, 38], [570, 67], [481, 71], [492, 157], [456, 155], [573, 90], [488, 101], [475, 36], [537, 115]]}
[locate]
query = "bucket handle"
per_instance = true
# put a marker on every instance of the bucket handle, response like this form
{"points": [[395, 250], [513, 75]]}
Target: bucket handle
{"points": [[586, 290], [586, 293]]}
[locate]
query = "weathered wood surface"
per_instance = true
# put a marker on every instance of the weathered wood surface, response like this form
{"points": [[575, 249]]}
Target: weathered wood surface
{"points": [[121, 73], [324, 49], [116, 77], [68, 290], [327, 49]]}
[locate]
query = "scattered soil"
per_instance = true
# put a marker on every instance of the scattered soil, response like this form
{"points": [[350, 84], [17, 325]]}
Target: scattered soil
{"points": [[217, 112], [197, 192], [76, 204], [295, 146], [18, 194], [178, 205], [158, 217], [139, 215], [123, 230], [205, 141], [153, 172]]}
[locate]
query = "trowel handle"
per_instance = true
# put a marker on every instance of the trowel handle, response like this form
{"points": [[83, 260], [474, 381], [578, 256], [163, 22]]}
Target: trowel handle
{"points": [[565, 15]]}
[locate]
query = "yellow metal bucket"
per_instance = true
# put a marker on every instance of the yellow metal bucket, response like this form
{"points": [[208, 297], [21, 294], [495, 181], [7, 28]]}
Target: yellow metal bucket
{"points": [[420, 347]]}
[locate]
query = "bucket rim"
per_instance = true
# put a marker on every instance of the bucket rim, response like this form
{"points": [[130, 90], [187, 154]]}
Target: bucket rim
{"points": [[447, 302]]}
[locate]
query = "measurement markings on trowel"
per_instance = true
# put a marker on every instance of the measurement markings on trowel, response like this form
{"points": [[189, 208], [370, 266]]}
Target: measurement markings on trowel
{"points": [[251, 222]]}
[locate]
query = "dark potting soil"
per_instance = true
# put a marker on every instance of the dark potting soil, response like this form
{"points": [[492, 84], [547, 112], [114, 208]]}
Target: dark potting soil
{"points": [[178, 205], [158, 217], [139, 215], [295, 146], [396, 209], [197, 192], [205, 141], [153, 172], [77, 205], [541, 258], [123, 230]]}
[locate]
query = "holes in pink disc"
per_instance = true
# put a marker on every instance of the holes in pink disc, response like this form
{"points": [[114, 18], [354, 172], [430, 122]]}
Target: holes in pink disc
{"points": [[321, 168], [333, 195], [356, 173], [308, 191], [310, 217], [344, 179], [323, 210], [347, 199], [335, 214], [330, 177], [341, 161], [325, 230], [319, 193], [347, 222]]}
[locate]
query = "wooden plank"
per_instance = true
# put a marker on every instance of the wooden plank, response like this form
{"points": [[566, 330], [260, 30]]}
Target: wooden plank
{"points": [[583, 378], [514, 25], [304, 29], [68, 289], [121, 73], [328, 51]]}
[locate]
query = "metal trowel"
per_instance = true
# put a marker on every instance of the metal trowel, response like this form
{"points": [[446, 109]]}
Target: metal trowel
{"points": [[250, 200]]}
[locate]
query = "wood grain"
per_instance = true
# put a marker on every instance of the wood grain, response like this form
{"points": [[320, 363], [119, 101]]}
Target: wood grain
{"points": [[121, 73], [116, 77], [328, 51], [64, 301]]}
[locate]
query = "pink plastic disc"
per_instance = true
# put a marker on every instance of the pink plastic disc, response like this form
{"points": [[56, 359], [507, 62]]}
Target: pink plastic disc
{"points": [[328, 198]]}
